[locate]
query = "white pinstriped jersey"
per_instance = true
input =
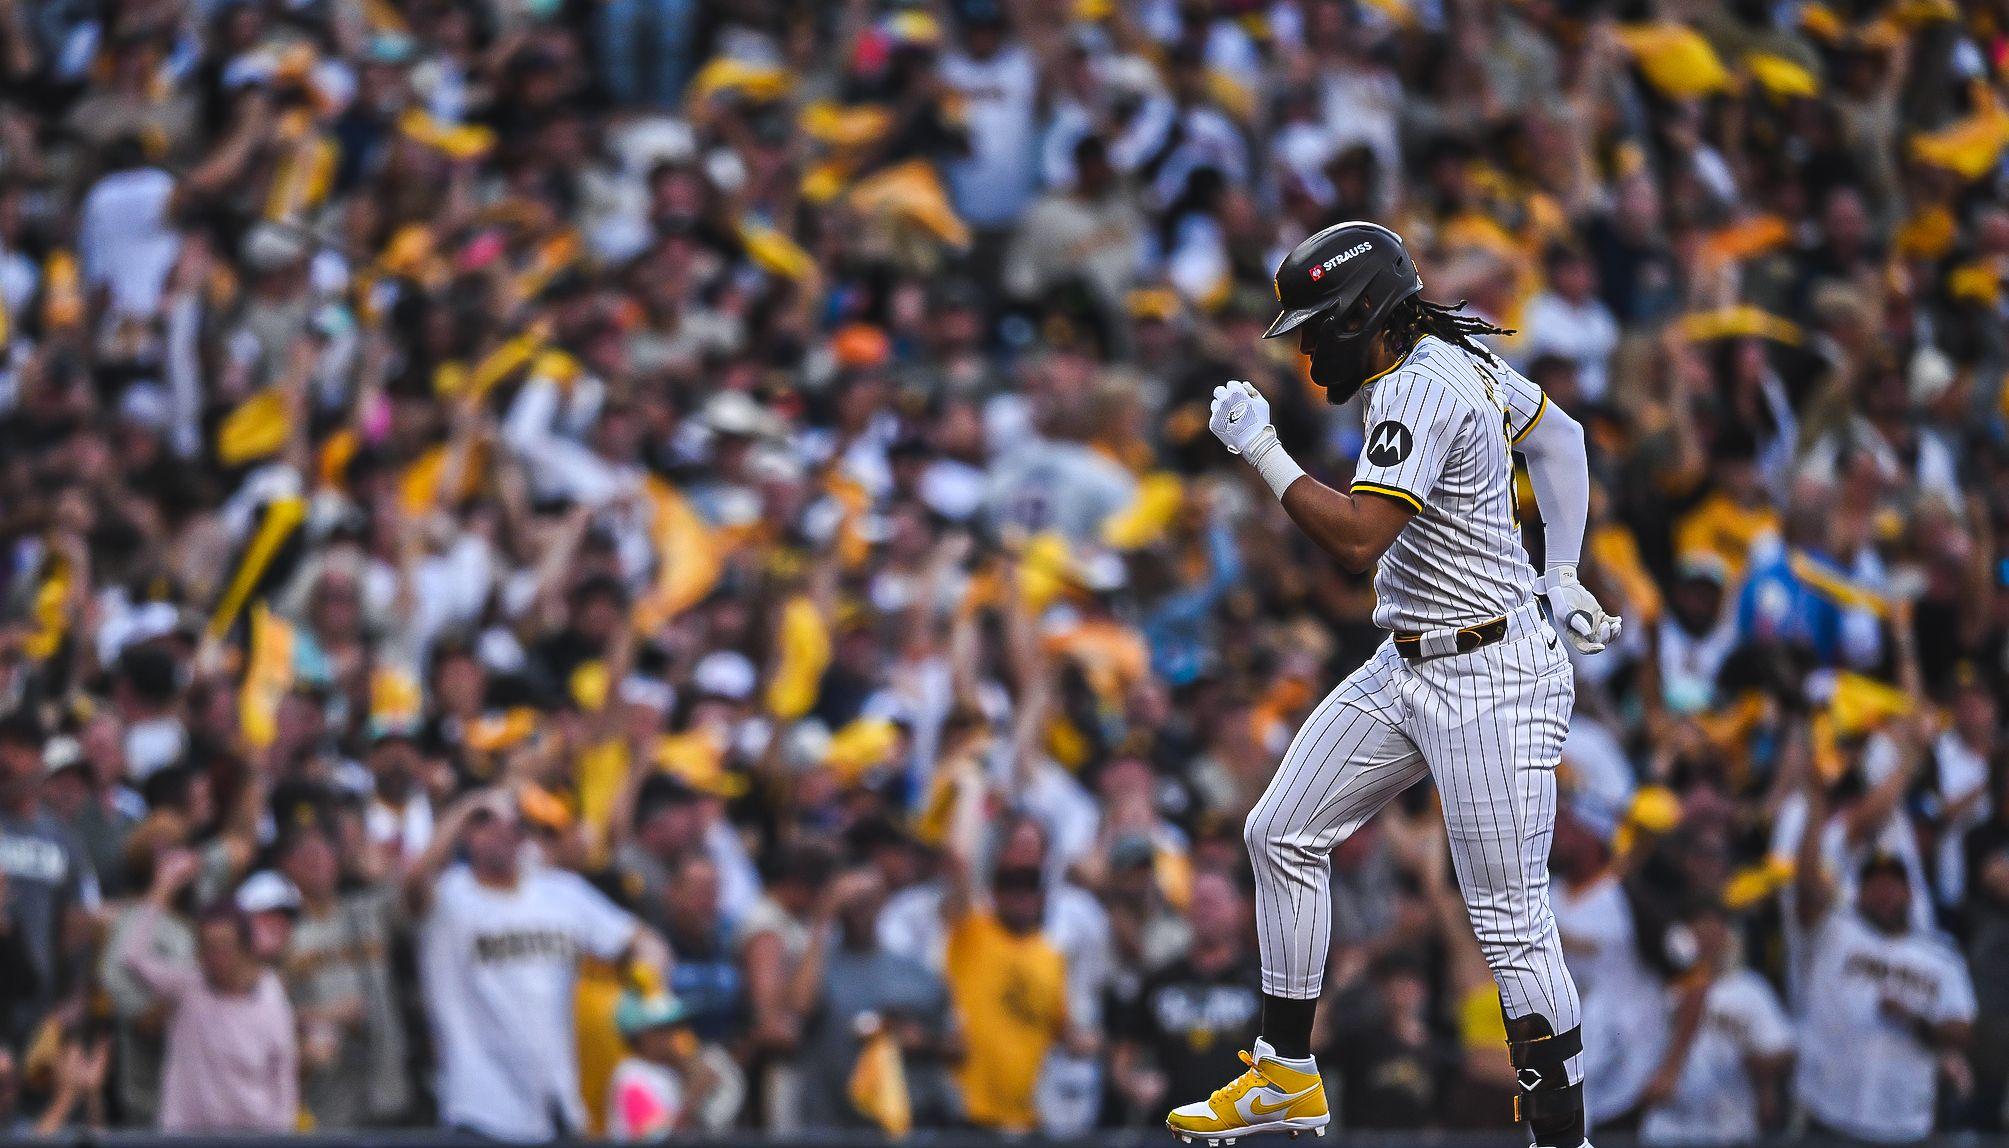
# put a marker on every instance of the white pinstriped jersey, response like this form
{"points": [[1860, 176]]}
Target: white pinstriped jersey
{"points": [[1440, 432]]}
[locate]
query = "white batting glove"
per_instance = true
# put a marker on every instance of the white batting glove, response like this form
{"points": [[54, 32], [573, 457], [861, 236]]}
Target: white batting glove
{"points": [[1240, 418], [1576, 611]]}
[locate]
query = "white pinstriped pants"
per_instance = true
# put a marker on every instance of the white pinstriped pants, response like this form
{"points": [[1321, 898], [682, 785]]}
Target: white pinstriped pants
{"points": [[1488, 725]]}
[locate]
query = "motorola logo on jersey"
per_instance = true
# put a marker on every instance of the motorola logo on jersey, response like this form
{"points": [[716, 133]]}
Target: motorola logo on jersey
{"points": [[1388, 443]]}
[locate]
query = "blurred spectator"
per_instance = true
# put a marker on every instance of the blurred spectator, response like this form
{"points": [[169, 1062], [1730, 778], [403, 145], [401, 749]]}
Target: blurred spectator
{"points": [[1570, 322], [1719, 1082], [847, 974], [670, 1081], [708, 981], [339, 978], [232, 1057], [1193, 1015], [1008, 981], [498, 944], [50, 889], [1624, 1044], [1986, 863], [1890, 1005], [1395, 1069]]}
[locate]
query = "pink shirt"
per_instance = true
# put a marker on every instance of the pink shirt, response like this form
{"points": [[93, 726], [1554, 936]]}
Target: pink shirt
{"points": [[232, 1060]]}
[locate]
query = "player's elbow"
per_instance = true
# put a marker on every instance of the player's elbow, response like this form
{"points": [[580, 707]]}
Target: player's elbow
{"points": [[1355, 555]]}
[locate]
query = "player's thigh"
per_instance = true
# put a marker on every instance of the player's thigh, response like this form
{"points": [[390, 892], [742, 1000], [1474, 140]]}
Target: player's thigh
{"points": [[1346, 762], [1491, 723]]}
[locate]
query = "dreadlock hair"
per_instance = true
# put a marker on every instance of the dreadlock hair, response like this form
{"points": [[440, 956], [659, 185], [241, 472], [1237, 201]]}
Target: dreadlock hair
{"points": [[1416, 317]]}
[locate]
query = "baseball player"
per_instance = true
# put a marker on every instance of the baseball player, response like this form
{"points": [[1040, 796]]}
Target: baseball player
{"points": [[1472, 686]]}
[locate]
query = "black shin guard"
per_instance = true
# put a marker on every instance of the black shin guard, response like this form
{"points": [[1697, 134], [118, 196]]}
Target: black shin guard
{"points": [[1547, 1102]]}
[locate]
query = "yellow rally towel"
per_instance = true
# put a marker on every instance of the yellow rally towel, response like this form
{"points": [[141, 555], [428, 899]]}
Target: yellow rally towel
{"points": [[268, 674], [1929, 234], [1968, 147], [913, 193], [1675, 59], [756, 82], [1978, 282], [551, 258], [689, 558], [1159, 498], [1737, 322], [1860, 704], [455, 142], [62, 290], [493, 732], [497, 365], [775, 252], [396, 701], [861, 746], [1755, 883], [1746, 239], [282, 517], [301, 181], [878, 1086], [1782, 78], [1836, 587], [805, 654], [697, 757], [255, 430], [600, 1046], [844, 126], [49, 611], [419, 487]]}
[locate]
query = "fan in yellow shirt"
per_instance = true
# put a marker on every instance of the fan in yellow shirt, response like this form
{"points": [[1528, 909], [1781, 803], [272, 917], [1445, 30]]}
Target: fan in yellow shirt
{"points": [[1010, 985]]}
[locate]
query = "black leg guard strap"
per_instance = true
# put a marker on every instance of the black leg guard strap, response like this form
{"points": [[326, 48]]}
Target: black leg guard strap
{"points": [[1547, 1102]]}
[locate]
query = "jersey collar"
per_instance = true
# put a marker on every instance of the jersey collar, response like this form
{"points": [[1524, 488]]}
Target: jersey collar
{"points": [[1396, 365]]}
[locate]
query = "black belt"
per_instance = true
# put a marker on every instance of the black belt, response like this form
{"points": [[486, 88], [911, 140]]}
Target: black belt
{"points": [[1410, 645]]}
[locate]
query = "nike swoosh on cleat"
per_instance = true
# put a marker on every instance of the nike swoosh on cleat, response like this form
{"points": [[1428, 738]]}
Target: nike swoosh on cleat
{"points": [[1257, 1106]]}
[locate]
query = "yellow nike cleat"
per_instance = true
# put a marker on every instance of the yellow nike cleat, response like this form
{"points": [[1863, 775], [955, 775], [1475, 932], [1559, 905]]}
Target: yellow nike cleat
{"points": [[1270, 1097]]}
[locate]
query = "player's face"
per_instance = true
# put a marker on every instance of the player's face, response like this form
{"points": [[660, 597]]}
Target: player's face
{"points": [[1342, 352]]}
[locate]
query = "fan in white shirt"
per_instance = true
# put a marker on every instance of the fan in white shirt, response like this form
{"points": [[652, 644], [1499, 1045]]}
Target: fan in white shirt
{"points": [[1570, 322], [1732, 1042], [1888, 1006], [499, 941]]}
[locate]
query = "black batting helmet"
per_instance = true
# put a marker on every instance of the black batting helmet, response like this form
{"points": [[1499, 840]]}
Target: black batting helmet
{"points": [[1344, 265]]}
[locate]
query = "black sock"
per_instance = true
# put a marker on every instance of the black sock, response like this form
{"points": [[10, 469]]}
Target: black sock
{"points": [[1287, 1025]]}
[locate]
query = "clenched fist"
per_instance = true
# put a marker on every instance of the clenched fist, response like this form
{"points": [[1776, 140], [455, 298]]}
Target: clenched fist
{"points": [[1240, 418]]}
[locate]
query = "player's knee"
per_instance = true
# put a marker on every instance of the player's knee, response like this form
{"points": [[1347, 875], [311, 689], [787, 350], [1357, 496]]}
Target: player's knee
{"points": [[1277, 843], [1255, 834], [1545, 1098], [1266, 840]]}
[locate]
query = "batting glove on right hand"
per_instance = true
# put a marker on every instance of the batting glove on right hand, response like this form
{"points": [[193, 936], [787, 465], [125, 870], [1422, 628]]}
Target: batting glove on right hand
{"points": [[1576, 612], [1240, 418]]}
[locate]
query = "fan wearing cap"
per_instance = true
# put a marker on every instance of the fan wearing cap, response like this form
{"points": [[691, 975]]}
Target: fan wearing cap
{"points": [[232, 1060], [500, 936], [1471, 688], [1888, 1005]]}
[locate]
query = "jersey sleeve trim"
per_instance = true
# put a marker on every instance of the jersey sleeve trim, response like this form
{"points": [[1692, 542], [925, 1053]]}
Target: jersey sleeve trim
{"points": [[1540, 410], [1395, 492]]}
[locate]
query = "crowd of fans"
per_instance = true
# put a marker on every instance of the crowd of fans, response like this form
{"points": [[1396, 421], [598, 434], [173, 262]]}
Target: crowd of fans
{"points": [[623, 566]]}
